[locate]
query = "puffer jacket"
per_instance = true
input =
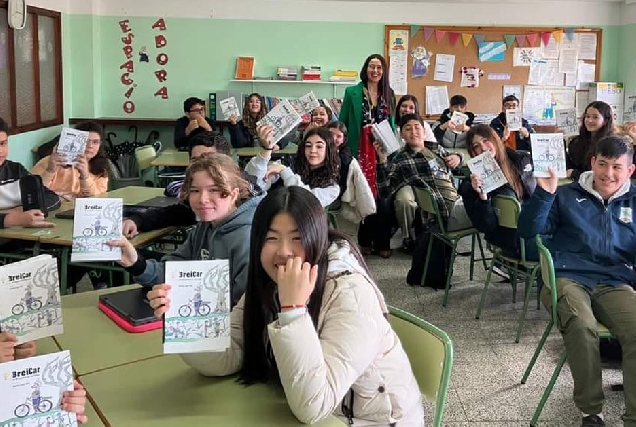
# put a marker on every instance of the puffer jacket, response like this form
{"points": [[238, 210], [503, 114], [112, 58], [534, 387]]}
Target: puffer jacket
{"points": [[352, 350]]}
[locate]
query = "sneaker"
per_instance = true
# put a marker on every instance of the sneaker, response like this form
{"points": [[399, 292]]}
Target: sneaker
{"points": [[408, 245], [592, 421]]}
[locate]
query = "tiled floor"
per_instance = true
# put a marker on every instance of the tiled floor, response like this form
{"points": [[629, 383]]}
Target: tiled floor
{"points": [[485, 385]]}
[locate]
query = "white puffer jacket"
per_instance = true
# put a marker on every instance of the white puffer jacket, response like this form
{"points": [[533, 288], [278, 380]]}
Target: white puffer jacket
{"points": [[353, 349]]}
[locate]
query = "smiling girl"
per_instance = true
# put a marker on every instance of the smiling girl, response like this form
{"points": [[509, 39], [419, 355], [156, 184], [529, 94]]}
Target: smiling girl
{"points": [[598, 122], [313, 320], [220, 197], [317, 166]]}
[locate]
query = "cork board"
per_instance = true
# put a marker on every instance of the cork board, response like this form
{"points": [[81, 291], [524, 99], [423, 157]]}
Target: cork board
{"points": [[487, 97]]}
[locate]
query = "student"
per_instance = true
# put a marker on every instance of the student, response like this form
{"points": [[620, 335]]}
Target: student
{"points": [[409, 104], [317, 165], [243, 132], [191, 123], [446, 133], [355, 201], [321, 116], [517, 168], [312, 319], [589, 229], [179, 214], [11, 198], [598, 122], [221, 199], [517, 140], [88, 177], [72, 401], [417, 165]]}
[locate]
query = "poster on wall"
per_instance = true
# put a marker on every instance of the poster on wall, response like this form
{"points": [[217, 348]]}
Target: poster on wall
{"points": [[491, 51], [398, 58]]}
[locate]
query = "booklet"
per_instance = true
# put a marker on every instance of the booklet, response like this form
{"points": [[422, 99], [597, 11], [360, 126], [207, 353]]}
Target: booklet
{"points": [[548, 150], [487, 168], [32, 390], [30, 305], [383, 133], [229, 107], [198, 319], [283, 117], [566, 121], [513, 119], [306, 103], [72, 143], [459, 119], [96, 221]]}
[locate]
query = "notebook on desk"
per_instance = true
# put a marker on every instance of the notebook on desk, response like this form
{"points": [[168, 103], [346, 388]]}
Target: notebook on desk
{"points": [[130, 310], [155, 202]]}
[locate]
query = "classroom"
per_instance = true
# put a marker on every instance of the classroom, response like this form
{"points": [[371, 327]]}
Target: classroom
{"points": [[130, 65]]}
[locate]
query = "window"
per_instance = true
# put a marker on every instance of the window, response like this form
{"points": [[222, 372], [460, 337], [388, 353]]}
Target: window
{"points": [[31, 71]]}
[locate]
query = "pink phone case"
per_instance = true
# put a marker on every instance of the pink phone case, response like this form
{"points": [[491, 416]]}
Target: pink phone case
{"points": [[115, 317]]}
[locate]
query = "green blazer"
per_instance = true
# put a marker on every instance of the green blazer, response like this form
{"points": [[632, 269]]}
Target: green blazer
{"points": [[351, 115]]}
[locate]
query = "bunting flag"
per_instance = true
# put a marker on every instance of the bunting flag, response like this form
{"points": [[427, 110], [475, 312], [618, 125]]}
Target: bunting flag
{"points": [[532, 39], [466, 38], [428, 32], [414, 30], [479, 38], [439, 35], [545, 37], [452, 38], [569, 33], [510, 39], [521, 40], [557, 35]]}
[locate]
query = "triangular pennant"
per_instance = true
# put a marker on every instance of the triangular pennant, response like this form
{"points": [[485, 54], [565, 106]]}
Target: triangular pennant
{"points": [[439, 35], [557, 35], [428, 32], [532, 38], [479, 38], [414, 30], [510, 39], [466, 38], [452, 38], [545, 37], [569, 32], [521, 40]]}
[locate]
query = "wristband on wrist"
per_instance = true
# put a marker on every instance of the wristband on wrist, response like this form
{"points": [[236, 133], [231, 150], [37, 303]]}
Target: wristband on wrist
{"points": [[267, 149], [293, 306]]}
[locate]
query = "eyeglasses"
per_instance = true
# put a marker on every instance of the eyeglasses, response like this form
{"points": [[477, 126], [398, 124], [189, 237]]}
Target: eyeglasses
{"points": [[510, 105], [197, 110], [93, 141]]}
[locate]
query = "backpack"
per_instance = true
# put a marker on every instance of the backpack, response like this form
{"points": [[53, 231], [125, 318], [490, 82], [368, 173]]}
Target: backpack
{"points": [[32, 194], [438, 265]]}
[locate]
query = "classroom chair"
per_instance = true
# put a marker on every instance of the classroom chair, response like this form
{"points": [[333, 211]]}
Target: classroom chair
{"points": [[430, 352], [508, 209], [144, 156], [426, 202], [549, 280]]}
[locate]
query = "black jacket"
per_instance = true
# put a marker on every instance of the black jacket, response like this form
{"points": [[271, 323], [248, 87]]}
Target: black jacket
{"points": [[10, 174], [498, 124], [578, 156], [483, 215], [181, 141]]}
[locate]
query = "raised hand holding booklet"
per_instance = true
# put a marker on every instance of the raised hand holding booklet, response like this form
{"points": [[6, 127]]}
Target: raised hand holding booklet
{"points": [[30, 305], [31, 391], [486, 167], [198, 319], [383, 133], [459, 119], [72, 143], [548, 150], [306, 103], [229, 108], [513, 119], [96, 221], [283, 118]]}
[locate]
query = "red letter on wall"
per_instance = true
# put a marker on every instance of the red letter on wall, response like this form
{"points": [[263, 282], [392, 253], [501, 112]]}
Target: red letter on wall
{"points": [[162, 59], [163, 93], [161, 24], [160, 41], [129, 66], [129, 107], [162, 75], [128, 51], [124, 25]]}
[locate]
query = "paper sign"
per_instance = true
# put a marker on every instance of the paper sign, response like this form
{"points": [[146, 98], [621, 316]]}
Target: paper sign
{"points": [[444, 66], [491, 51]]}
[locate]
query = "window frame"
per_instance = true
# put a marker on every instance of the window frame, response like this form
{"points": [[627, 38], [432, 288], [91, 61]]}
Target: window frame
{"points": [[36, 12]]}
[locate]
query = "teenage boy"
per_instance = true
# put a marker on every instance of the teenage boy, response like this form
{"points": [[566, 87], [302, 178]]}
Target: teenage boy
{"points": [[592, 240], [193, 122], [517, 140], [446, 132]]}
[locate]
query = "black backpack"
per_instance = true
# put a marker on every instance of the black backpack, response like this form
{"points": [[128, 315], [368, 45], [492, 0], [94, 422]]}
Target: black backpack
{"points": [[32, 194], [438, 265]]}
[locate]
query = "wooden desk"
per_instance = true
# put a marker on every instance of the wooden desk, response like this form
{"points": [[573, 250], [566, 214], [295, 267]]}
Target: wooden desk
{"points": [[171, 158], [253, 151], [95, 341], [164, 391]]}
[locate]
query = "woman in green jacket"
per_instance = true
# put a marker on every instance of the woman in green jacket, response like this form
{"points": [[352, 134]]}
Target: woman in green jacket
{"points": [[370, 101]]}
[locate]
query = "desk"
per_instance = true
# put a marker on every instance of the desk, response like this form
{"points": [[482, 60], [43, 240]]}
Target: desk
{"points": [[171, 158], [132, 383], [253, 151]]}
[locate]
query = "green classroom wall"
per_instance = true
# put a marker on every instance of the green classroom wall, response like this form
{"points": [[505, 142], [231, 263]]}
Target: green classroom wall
{"points": [[202, 55]]}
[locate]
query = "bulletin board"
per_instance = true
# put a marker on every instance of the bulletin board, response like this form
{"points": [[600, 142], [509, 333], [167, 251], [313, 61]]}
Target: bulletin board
{"points": [[462, 43]]}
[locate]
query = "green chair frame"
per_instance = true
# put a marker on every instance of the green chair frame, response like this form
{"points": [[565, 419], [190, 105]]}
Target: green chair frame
{"points": [[427, 203], [430, 352], [549, 279], [508, 209]]}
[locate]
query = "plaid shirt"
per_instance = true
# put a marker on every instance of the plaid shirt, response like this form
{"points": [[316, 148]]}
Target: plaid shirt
{"points": [[411, 168]]}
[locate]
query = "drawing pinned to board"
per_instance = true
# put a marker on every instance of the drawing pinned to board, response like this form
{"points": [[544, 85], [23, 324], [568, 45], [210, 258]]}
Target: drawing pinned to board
{"points": [[143, 54], [470, 76], [522, 56], [511, 90], [491, 51], [421, 61]]}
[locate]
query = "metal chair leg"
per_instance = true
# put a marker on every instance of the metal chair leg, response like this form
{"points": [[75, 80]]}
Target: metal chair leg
{"points": [[472, 257], [483, 293], [526, 299], [548, 390], [544, 337], [450, 272], [428, 258]]}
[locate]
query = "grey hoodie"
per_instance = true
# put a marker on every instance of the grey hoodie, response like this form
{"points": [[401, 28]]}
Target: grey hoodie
{"points": [[230, 239]]}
